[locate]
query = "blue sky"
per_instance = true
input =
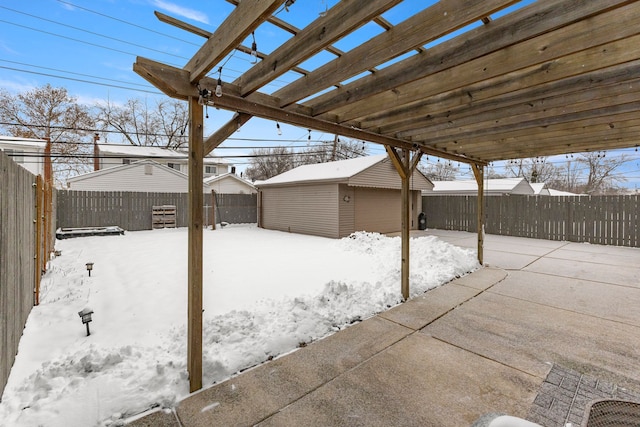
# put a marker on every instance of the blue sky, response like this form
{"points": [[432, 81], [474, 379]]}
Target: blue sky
{"points": [[89, 48]]}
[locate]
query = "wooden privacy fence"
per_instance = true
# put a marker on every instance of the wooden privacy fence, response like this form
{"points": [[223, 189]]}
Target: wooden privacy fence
{"points": [[603, 220], [132, 211], [26, 241]]}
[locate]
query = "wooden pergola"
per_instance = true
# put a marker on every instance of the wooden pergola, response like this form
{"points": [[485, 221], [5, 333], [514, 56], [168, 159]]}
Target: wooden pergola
{"points": [[552, 77]]}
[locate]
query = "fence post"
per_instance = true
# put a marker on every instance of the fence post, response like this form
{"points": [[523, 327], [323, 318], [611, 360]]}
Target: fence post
{"points": [[40, 237]]}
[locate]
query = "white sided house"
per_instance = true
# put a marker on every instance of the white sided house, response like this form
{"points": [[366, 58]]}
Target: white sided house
{"points": [[230, 183], [141, 176], [336, 199], [27, 152], [111, 155], [492, 187]]}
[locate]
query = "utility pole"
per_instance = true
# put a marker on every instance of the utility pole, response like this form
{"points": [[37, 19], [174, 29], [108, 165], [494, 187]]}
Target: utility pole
{"points": [[335, 146], [96, 152]]}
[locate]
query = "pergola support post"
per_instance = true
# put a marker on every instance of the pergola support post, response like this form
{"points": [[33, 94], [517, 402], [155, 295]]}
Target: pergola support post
{"points": [[405, 167], [478, 172], [404, 194], [196, 206]]}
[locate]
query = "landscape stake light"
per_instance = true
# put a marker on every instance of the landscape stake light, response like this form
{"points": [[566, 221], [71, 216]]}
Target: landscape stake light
{"points": [[85, 315], [89, 268]]}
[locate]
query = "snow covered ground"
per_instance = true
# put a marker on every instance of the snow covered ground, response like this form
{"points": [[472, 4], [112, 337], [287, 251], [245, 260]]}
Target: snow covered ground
{"points": [[265, 292]]}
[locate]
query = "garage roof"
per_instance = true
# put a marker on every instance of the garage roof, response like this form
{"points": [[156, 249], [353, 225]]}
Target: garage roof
{"points": [[550, 77]]}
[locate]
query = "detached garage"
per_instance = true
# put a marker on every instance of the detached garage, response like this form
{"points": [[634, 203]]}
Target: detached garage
{"points": [[338, 198]]}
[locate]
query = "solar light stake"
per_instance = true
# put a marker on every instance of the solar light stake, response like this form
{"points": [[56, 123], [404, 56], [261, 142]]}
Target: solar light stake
{"points": [[89, 268], [85, 315]]}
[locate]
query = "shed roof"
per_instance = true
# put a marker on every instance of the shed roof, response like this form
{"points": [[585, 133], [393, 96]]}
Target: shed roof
{"points": [[331, 171], [367, 171]]}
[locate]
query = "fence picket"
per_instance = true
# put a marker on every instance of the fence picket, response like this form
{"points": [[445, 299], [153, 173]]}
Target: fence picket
{"points": [[132, 210], [606, 220]]}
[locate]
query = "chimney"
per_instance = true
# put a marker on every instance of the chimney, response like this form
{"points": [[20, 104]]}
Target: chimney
{"points": [[96, 152]]}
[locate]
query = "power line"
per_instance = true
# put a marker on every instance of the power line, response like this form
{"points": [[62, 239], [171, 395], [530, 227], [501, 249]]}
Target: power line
{"points": [[91, 32], [80, 80], [126, 22], [77, 74]]}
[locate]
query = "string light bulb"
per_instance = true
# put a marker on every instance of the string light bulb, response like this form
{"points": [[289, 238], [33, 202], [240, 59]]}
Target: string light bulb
{"points": [[278, 128], [254, 49], [288, 4], [323, 13], [219, 85], [309, 136]]}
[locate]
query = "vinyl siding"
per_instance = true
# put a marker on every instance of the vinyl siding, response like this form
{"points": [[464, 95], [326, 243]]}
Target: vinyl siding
{"points": [[347, 214], [384, 175], [304, 209], [380, 210], [133, 179]]}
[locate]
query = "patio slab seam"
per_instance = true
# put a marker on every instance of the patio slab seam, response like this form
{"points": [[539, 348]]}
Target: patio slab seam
{"points": [[336, 377], [482, 356], [555, 307]]}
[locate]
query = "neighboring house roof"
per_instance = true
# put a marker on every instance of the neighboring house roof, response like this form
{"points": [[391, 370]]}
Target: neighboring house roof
{"points": [[540, 188], [23, 142], [553, 192], [112, 174], [491, 186], [343, 171], [212, 180], [152, 152]]}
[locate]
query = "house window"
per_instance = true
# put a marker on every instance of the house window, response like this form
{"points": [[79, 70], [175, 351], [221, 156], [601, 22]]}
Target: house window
{"points": [[210, 170], [175, 166], [126, 161]]}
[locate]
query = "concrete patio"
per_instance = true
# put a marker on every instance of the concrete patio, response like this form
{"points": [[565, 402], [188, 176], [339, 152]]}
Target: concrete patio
{"points": [[537, 333]]}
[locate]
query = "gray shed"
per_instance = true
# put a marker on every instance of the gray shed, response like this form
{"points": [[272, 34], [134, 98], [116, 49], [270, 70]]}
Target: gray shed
{"points": [[336, 199]]}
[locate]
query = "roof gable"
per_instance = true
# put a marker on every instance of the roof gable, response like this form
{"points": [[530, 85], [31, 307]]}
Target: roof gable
{"points": [[117, 169], [227, 176], [153, 152], [331, 171], [127, 178], [370, 171], [38, 144]]}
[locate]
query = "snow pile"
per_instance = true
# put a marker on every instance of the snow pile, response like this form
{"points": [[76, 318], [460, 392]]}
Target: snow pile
{"points": [[265, 294]]}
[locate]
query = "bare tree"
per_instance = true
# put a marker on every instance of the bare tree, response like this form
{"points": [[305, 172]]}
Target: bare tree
{"points": [[269, 162], [600, 171], [162, 125], [338, 149], [441, 171], [48, 112], [536, 169]]}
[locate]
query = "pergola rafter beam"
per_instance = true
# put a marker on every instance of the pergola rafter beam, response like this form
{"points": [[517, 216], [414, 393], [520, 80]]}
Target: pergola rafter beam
{"points": [[392, 86], [176, 82], [239, 24], [207, 34], [451, 106], [339, 21], [419, 29], [538, 110]]}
